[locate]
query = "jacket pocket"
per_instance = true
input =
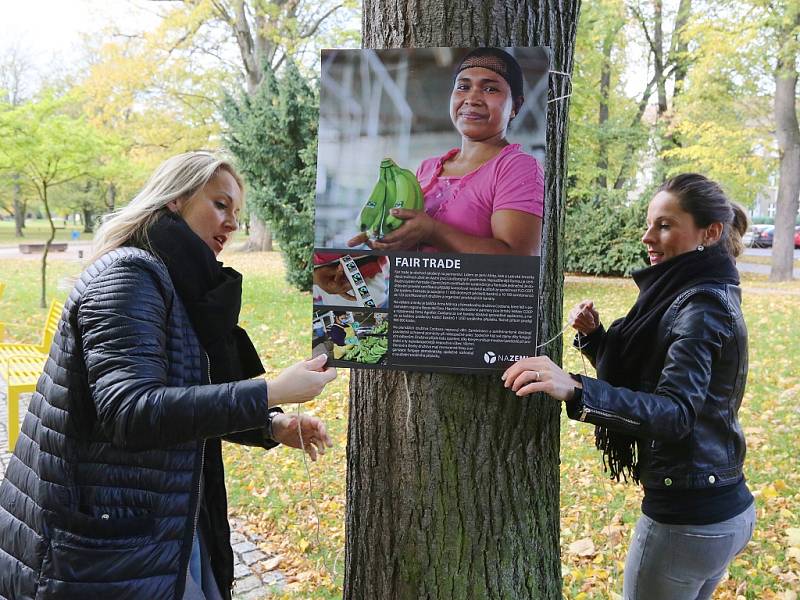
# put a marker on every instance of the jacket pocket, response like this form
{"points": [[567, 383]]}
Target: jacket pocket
{"points": [[87, 549]]}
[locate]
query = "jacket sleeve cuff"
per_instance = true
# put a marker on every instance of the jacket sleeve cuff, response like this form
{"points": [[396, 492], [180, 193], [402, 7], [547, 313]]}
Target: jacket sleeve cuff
{"points": [[574, 405], [589, 344]]}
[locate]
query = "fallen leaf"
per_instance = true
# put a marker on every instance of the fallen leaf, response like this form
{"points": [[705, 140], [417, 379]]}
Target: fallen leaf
{"points": [[583, 547], [793, 533]]}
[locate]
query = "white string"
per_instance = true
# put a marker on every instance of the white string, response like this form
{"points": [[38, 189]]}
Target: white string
{"points": [[317, 537], [606, 486], [569, 83], [559, 98], [555, 337]]}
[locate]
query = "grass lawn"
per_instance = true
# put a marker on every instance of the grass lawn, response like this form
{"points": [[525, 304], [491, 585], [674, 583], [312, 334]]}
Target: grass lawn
{"points": [[271, 490]]}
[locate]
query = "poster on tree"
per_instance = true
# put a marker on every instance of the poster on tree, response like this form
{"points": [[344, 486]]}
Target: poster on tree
{"points": [[429, 204]]}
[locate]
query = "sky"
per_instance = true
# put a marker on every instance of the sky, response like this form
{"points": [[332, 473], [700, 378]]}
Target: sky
{"points": [[49, 31]]}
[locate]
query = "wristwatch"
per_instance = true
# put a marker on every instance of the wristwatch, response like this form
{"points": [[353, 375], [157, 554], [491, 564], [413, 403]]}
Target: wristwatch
{"points": [[275, 410]]}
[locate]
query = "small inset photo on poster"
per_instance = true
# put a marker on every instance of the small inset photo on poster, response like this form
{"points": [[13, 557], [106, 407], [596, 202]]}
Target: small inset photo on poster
{"points": [[351, 337], [351, 279], [432, 149]]}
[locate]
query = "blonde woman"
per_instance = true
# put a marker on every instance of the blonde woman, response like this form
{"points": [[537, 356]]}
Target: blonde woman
{"points": [[116, 487]]}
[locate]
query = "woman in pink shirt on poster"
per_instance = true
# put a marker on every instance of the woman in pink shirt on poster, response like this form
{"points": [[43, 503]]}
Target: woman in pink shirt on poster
{"points": [[487, 196]]}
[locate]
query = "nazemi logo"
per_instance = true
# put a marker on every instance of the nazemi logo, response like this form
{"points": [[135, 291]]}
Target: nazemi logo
{"points": [[490, 357]]}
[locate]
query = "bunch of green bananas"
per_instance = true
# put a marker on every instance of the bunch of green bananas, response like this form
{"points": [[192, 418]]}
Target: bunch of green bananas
{"points": [[396, 188], [370, 350]]}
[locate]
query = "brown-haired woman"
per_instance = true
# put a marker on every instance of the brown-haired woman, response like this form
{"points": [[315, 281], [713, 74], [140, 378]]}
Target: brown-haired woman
{"points": [[671, 376]]}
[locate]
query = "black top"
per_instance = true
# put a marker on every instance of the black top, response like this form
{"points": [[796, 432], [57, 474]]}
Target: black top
{"points": [[698, 506]]}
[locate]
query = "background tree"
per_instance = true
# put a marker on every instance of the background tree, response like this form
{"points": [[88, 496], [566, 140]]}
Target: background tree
{"points": [[264, 32], [606, 130], [452, 483], [785, 23], [48, 147], [150, 102], [266, 129], [15, 87]]}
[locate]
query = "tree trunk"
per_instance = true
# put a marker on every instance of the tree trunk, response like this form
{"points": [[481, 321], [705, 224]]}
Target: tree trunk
{"points": [[679, 46], [253, 48], [658, 56], [88, 220], [602, 114], [260, 237], [19, 207], [43, 300], [111, 197], [452, 482], [789, 171]]}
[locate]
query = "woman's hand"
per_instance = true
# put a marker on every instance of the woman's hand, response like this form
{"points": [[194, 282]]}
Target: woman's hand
{"points": [[417, 228], [540, 374], [584, 318], [301, 382], [315, 437]]}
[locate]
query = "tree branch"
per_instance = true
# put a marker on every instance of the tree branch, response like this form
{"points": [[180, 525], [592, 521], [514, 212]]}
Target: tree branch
{"points": [[639, 17], [318, 22]]}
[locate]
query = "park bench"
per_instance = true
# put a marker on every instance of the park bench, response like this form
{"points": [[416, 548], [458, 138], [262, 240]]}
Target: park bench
{"points": [[30, 248], [21, 365]]}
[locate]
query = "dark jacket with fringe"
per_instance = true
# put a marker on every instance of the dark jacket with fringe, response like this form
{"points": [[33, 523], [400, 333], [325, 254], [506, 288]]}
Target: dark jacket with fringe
{"points": [[683, 412], [100, 498]]}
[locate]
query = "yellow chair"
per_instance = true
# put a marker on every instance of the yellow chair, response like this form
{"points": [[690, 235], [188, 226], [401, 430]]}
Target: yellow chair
{"points": [[22, 364], [48, 332], [21, 372]]}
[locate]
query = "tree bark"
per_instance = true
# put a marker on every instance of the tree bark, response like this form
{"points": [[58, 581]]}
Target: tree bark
{"points": [[788, 135], [452, 482]]}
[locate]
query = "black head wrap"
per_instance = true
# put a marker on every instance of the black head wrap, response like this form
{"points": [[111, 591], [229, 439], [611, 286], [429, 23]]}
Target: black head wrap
{"points": [[499, 61]]}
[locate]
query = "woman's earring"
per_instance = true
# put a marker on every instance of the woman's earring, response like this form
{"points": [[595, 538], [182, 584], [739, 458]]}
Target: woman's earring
{"points": [[700, 248]]}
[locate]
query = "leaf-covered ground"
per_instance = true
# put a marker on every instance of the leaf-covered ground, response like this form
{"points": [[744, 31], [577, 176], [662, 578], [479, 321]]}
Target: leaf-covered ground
{"points": [[274, 494]]}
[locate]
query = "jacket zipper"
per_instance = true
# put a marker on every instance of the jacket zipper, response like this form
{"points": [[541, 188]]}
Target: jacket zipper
{"points": [[200, 478], [585, 411]]}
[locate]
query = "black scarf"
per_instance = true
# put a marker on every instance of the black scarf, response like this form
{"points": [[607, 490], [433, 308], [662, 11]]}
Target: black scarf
{"points": [[212, 295], [628, 352]]}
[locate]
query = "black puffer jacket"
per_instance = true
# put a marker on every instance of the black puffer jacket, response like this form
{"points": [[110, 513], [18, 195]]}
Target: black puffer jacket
{"points": [[101, 495], [684, 410]]}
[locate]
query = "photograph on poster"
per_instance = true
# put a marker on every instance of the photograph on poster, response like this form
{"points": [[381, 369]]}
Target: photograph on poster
{"points": [[452, 138], [350, 279], [359, 337]]}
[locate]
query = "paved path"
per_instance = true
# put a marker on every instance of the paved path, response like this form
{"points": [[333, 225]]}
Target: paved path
{"points": [[253, 569], [74, 251]]}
